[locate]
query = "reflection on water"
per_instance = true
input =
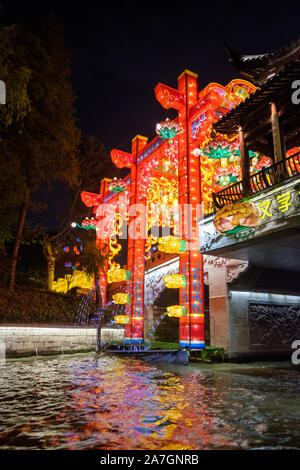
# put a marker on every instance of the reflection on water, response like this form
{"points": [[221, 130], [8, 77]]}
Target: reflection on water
{"points": [[85, 402]]}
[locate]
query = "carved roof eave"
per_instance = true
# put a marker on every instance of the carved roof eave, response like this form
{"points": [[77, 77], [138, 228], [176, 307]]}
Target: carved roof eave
{"points": [[238, 115], [260, 66]]}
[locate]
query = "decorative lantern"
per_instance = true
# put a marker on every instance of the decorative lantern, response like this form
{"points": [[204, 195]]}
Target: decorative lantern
{"points": [[171, 244], [218, 151], [117, 186], [175, 281], [259, 163], [122, 319], [226, 179], [121, 298], [176, 311], [233, 218], [168, 129], [241, 92], [118, 275]]}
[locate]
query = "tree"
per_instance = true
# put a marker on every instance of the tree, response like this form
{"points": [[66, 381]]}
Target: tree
{"points": [[16, 78], [93, 261], [39, 136]]}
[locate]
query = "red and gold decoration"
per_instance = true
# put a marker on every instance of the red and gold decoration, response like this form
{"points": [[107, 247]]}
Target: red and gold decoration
{"points": [[116, 274], [89, 223], [121, 298], [234, 218], [121, 319], [171, 244], [176, 311], [259, 163], [117, 186]]}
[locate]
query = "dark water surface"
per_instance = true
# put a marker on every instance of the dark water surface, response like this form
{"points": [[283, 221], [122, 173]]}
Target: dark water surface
{"points": [[90, 402]]}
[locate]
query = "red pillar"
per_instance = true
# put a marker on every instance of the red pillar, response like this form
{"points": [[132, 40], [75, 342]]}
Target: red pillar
{"points": [[103, 236], [191, 262]]}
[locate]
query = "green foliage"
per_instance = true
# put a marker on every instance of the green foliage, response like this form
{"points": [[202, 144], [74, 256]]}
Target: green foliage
{"points": [[39, 137], [16, 76], [36, 306], [212, 354], [12, 183], [204, 354], [4, 265], [42, 133], [31, 266], [33, 235]]}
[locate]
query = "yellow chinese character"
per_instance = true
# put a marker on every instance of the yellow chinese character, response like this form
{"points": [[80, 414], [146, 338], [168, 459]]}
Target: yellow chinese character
{"points": [[283, 200], [264, 206]]}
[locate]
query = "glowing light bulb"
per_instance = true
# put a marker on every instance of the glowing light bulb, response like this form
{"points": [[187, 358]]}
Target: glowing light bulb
{"points": [[197, 152]]}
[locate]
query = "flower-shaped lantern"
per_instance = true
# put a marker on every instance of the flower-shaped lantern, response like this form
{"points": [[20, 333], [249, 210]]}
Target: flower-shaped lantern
{"points": [[89, 223], [259, 163], [225, 153], [117, 186], [168, 129]]}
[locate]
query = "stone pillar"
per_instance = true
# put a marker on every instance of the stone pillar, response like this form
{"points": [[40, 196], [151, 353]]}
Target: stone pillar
{"points": [[218, 306]]}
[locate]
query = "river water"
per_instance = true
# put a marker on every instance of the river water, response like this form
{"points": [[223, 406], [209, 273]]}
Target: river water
{"points": [[106, 402]]}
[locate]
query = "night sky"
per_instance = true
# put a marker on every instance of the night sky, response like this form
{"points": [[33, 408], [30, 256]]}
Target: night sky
{"points": [[121, 50]]}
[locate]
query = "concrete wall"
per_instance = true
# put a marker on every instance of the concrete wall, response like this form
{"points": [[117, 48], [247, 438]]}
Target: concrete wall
{"points": [[282, 329], [218, 306], [35, 340]]}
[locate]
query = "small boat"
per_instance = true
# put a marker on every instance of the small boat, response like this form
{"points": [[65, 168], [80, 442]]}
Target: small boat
{"points": [[158, 355], [174, 357]]}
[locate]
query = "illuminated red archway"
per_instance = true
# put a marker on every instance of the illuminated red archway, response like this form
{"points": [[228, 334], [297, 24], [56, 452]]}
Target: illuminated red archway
{"points": [[128, 199]]}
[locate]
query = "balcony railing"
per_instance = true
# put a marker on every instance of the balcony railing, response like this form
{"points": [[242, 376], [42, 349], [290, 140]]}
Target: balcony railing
{"points": [[277, 173]]}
